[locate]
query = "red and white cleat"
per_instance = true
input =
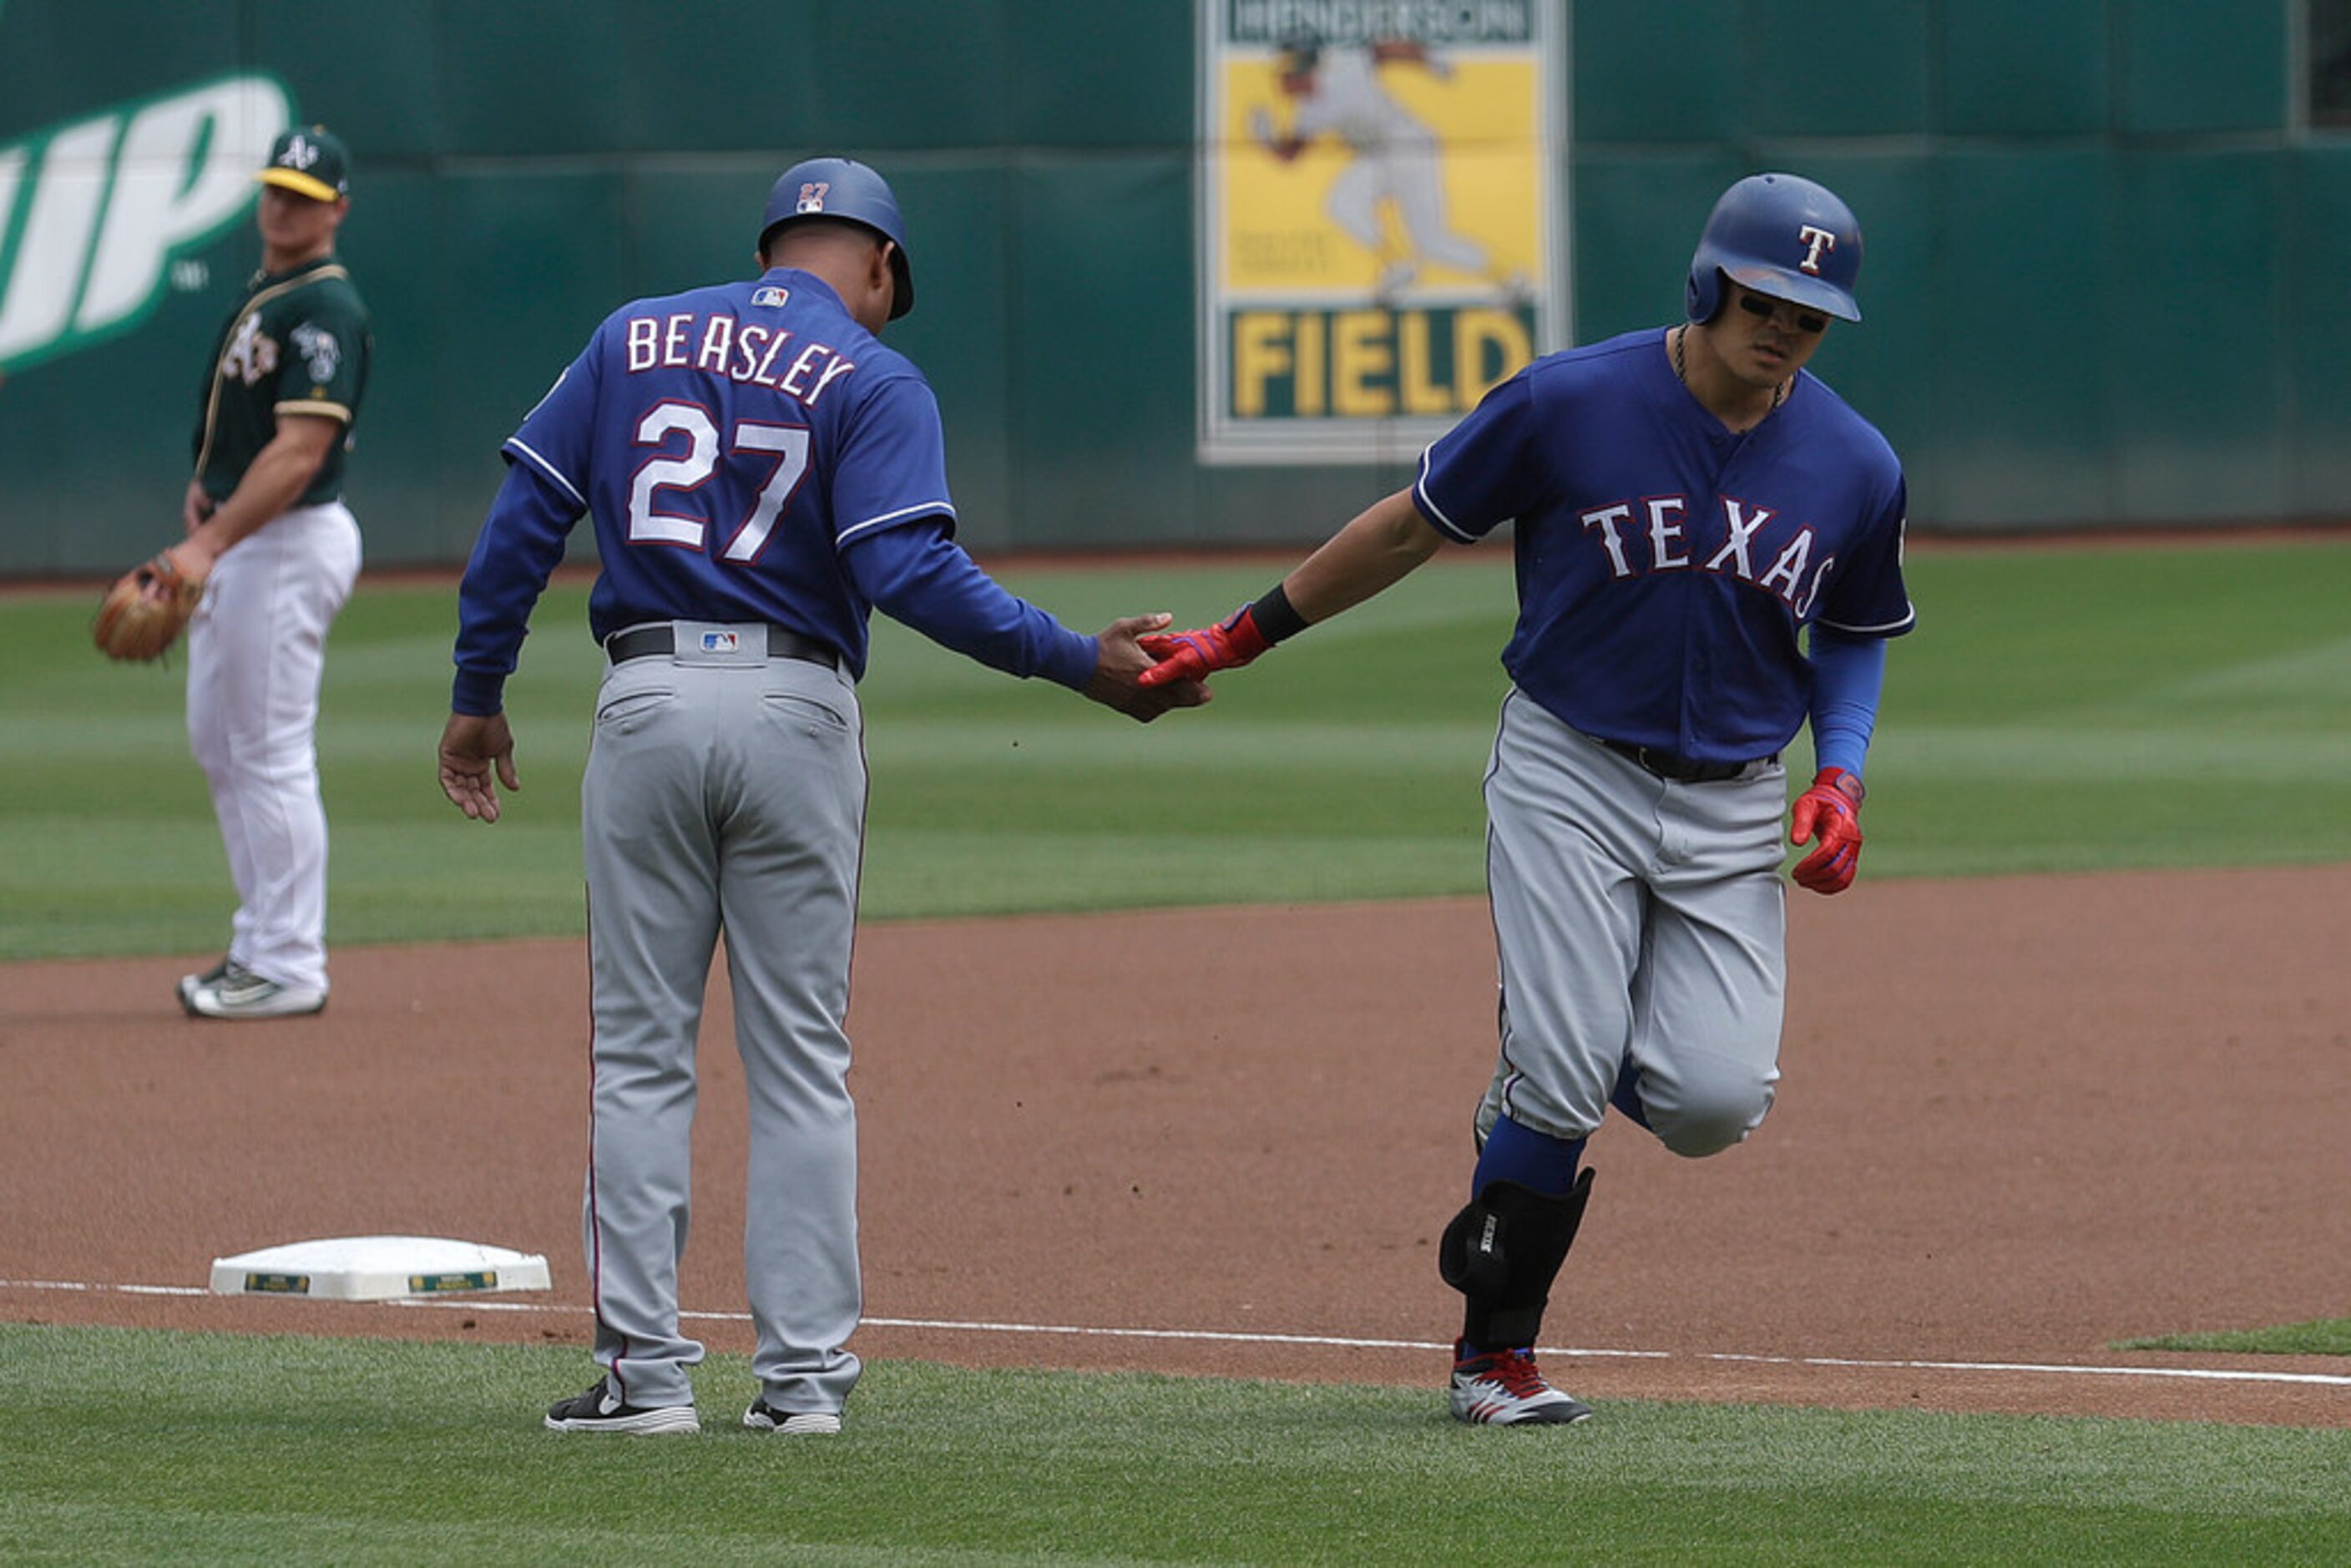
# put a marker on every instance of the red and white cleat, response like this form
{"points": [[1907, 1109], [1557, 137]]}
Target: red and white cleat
{"points": [[1505, 1388]]}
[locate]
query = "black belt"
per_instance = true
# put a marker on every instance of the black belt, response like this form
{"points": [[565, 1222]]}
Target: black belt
{"points": [[645, 642], [1682, 769]]}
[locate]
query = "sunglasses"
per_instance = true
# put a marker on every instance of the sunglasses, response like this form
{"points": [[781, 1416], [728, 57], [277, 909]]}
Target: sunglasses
{"points": [[1762, 307]]}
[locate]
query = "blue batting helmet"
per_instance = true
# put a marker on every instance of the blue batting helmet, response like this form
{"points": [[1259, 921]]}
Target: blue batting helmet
{"points": [[1779, 234], [845, 189]]}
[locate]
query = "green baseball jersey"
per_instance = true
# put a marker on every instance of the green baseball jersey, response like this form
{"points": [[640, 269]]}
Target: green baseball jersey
{"points": [[296, 344]]}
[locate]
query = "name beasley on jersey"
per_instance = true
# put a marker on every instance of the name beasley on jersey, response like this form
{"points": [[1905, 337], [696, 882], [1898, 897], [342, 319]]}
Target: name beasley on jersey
{"points": [[719, 345], [1790, 576]]}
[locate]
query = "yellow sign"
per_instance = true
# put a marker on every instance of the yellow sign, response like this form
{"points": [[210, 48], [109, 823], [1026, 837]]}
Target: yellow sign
{"points": [[1372, 363], [1382, 188]]}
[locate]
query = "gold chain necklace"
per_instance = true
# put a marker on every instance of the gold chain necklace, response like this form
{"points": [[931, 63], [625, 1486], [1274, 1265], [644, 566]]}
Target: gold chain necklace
{"points": [[1778, 392]]}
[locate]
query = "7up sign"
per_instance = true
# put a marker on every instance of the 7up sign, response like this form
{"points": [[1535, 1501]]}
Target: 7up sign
{"points": [[93, 211]]}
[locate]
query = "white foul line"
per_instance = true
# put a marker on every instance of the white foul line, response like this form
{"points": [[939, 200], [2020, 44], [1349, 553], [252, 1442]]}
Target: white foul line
{"points": [[1229, 1336]]}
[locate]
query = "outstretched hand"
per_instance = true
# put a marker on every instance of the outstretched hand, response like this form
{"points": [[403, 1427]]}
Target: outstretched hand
{"points": [[472, 744], [1122, 671], [1194, 655], [1831, 808]]}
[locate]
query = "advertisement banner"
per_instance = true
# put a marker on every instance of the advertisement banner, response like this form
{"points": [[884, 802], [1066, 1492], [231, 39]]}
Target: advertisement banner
{"points": [[1383, 187], [99, 215]]}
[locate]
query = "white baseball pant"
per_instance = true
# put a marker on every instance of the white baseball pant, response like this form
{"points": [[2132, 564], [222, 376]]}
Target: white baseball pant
{"points": [[257, 652]]}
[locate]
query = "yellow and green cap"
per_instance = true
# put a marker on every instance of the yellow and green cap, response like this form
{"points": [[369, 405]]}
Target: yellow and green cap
{"points": [[310, 160]]}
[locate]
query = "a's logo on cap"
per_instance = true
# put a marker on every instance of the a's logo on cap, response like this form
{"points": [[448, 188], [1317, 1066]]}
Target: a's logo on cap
{"points": [[301, 153], [812, 197], [1814, 240]]}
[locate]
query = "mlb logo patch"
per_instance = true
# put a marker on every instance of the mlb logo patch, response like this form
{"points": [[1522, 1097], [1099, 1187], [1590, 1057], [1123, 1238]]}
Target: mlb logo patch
{"points": [[770, 295], [720, 642]]}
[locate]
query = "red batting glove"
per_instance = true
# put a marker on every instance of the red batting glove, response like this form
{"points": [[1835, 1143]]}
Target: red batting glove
{"points": [[1831, 808], [1194, 655]]}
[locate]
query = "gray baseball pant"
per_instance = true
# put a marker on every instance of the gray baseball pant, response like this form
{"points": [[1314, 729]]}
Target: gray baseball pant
{"points": [[1638, 920], [724, 791]]}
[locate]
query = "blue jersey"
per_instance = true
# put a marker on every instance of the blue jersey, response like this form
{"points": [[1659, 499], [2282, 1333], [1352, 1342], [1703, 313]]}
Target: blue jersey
{"points": [[728, 441], [749, 453], [1666, 566]]}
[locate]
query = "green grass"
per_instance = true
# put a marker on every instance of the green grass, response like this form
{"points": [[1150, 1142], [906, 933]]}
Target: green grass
{"points": [[128, 1445], [2101, 708], [2327, 1336], [2058, 709]]}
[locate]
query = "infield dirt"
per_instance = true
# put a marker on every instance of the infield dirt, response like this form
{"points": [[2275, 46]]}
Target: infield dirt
{"points": [[2019, 1119]]}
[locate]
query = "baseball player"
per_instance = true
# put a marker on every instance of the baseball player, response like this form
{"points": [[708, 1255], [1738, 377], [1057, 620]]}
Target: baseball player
{"points": [[269, 537], [1709, 555], [1395, 157], [762, 472]]}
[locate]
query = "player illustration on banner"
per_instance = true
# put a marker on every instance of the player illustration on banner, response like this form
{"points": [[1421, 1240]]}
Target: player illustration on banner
{"points": [[1394, 158], [1379, 211]]}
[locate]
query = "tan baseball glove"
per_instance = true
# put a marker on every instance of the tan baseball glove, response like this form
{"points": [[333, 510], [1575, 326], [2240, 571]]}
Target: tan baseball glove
{"points": [[145, 610]]}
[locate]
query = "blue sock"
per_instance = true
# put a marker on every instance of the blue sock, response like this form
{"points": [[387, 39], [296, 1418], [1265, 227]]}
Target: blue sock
{"points": [[1536, 1161]]}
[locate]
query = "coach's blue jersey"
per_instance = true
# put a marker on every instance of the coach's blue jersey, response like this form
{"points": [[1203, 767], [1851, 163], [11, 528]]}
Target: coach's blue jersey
{"points": [[729, 441], [1666, 566]]}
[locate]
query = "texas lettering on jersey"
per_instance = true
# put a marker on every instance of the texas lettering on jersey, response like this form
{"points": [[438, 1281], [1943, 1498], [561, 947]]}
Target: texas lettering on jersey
{"points": [[1657, 534], [1668, 566], [746, 353]]}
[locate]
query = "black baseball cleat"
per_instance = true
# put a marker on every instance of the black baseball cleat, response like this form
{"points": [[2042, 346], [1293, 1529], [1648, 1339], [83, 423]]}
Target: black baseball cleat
{"points": [[1504, 1388], [764, 1417], [598, 1411]]}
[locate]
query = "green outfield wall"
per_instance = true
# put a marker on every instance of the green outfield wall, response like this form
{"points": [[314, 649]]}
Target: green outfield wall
{"points": [[2106, 250]]}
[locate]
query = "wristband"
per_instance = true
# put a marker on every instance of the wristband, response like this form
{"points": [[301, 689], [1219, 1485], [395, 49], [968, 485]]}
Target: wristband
{"points": [[1276, 617]]}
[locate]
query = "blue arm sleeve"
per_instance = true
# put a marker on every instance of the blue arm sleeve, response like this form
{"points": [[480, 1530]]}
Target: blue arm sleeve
{"points": [[916, 574], [520, 545], [1848, 675]]}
